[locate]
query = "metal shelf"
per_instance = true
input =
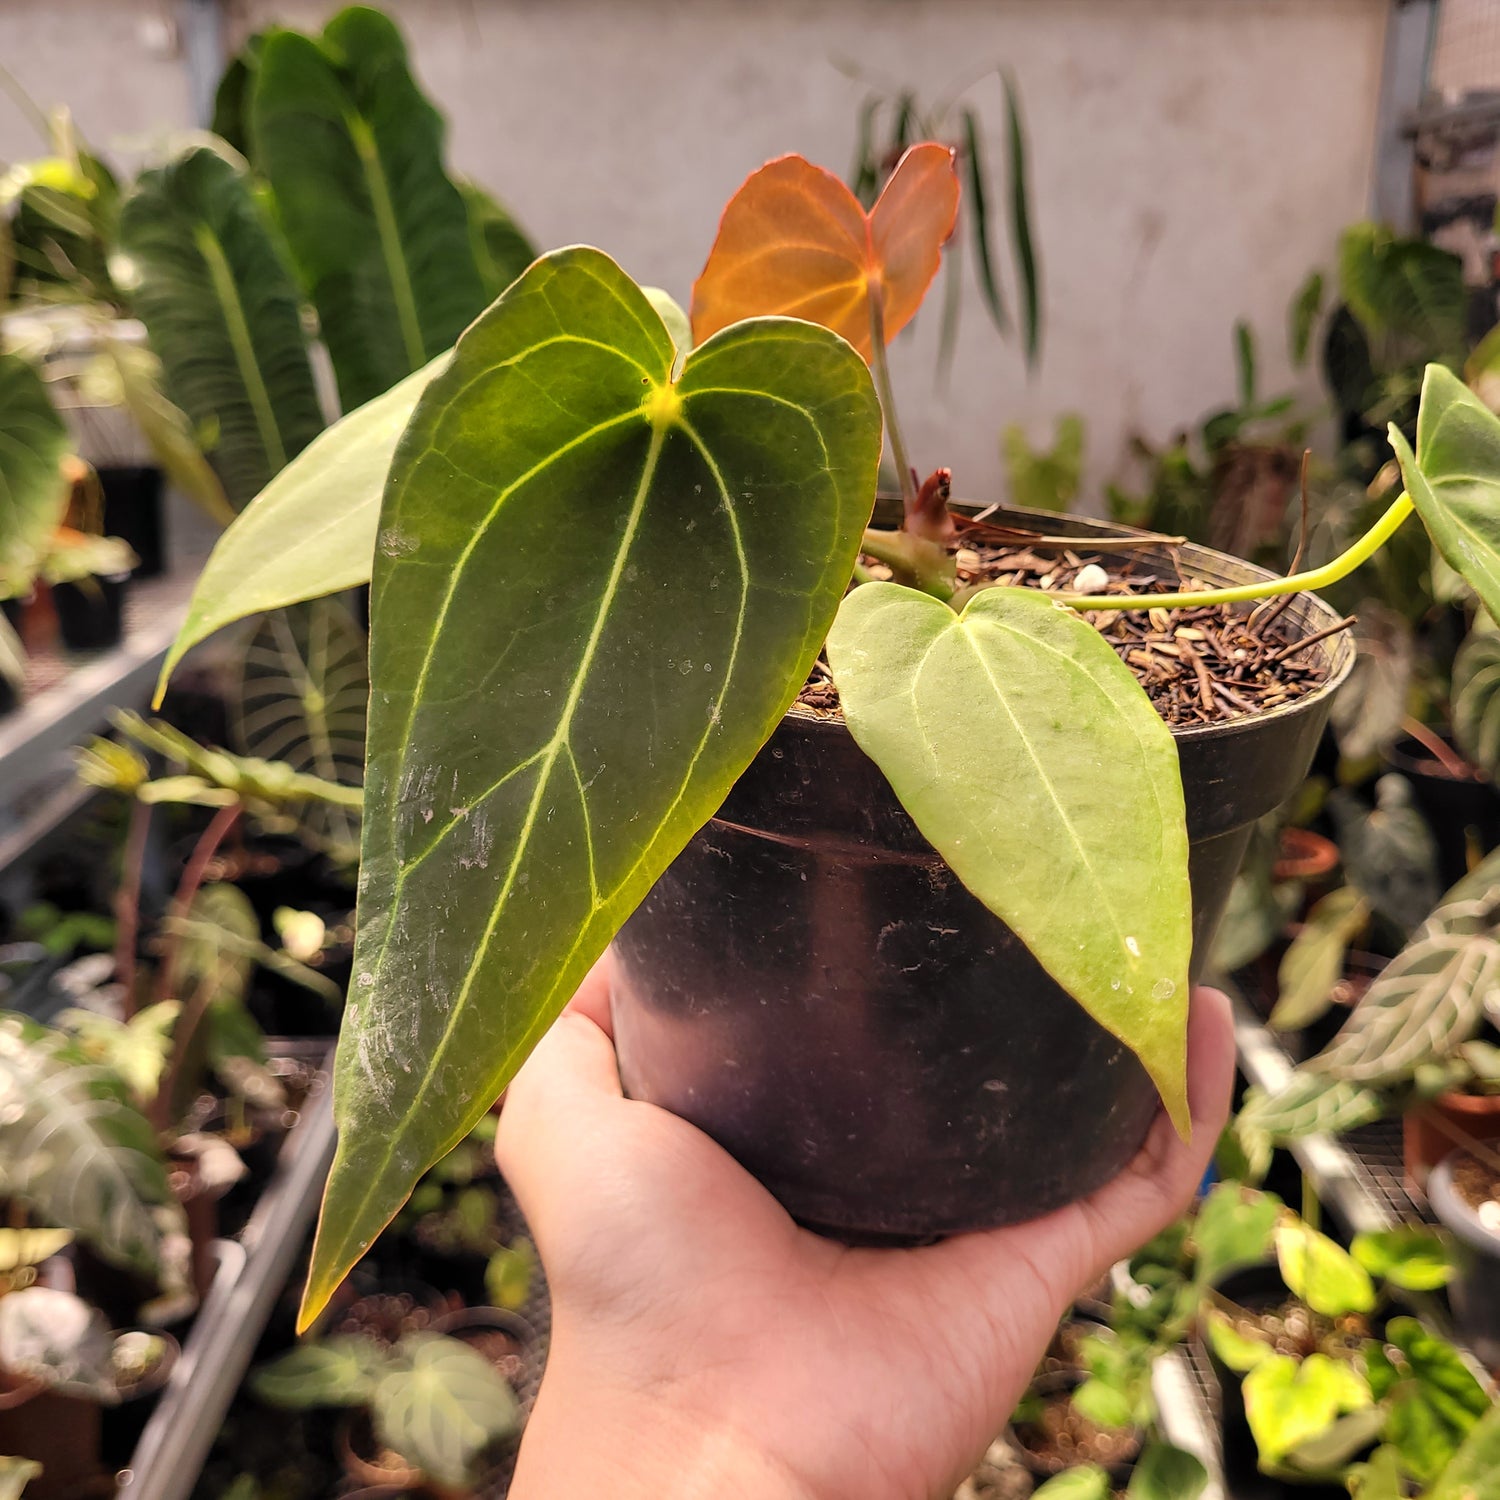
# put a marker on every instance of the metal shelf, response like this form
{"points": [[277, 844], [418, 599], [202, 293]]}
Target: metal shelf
{"points": [[70, 697], [177, 1439]]}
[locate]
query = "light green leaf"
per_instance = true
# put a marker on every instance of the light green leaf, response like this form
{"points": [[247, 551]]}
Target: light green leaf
{"points": [[1310, 1104], [354, 154], [33, 443], [1085, 857], [1412, 1258], [1331, 1449], [15, 1475], [311, 531], [1314, 960], [1474, 1471], [1237, 1351], [1454, 480], [1379, 1479], [1476, 700], [135, 1049], [509, 1274], [223, 316], [341, 1370], [30, 1247], [74, 1146], [1044, 479], [1103, 1404], [1427, 1001], [1233, 1229], [677, 322], [1321, 1273], [444, 1407], [1082, 1482], [1166, 1472], [1288, 1402], [557, 709]]}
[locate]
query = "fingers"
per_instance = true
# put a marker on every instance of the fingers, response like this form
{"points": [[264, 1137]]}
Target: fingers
{"points": [[1158, 1186], [1050, 1259], [592, 999], [555, 1101]]}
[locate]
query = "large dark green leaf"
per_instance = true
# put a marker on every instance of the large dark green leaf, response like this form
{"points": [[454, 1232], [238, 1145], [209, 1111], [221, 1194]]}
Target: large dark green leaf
{"points": [[1454, 480], [501, 248], [1085, 856], [1407, 295], [1474, 1472], [311, 531], [595, 593], [33, 441], [354, 154], [223, 315]]}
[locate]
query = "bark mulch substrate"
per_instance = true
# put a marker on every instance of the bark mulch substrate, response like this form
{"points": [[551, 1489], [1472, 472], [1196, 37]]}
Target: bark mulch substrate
{"points": [[1062, 1437], [1204, 665]]}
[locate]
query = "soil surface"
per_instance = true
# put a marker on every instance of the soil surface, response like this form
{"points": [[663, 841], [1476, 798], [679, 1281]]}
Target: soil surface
{"points": [[1204, 665], [1294, 1328], [1062, 1437], [1477, 1184]]}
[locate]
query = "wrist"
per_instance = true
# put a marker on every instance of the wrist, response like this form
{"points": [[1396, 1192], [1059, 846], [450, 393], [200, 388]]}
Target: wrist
{"points": [[590, 1436]]}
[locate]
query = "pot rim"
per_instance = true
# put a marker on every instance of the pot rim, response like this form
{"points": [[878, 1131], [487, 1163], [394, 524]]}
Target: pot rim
{"points": [[1191, 552], [1455, 1212]]}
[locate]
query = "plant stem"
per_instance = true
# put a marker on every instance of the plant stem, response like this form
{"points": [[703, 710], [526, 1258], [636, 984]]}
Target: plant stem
{"points": [[1315, 578], [128, 902], [183, 1032], [187, 888], [881, 370], [1455, 765], [915, 560]]}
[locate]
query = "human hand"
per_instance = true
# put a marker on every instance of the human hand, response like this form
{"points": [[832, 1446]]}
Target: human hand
{"points": [[704, 1345]]}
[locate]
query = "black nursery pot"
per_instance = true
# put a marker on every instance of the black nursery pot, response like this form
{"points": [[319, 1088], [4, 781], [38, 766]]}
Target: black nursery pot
{"points": [[133, 512], [1457, 809], [811, 985], [91, 613]]}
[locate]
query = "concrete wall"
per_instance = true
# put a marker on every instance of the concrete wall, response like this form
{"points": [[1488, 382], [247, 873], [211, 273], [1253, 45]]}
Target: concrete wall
{"points": [[1192, 159]]}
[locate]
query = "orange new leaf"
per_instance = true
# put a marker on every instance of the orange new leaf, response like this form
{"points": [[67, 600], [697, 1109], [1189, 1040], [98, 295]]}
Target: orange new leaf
{"points": [[794, 241]]}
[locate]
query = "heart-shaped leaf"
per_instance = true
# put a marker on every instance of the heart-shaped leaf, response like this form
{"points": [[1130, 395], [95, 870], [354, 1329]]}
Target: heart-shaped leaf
{"points": [[1166, 1472], [1085, 856], [1410, 1257], [354, 153], [311, 531], [1323, 1274], [1288, 1402], [1453, 479], [224, 316], [342, 1370], [795, 241], [443, 1407], [1314, 960], [596, 591], [1233, 1228]]}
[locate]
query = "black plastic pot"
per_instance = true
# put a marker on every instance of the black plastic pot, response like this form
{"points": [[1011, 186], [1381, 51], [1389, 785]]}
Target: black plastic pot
{"points": [[1475, 1290], [91, 613], [133, 512], [1458, 810], [811, 985], [1257, 1289]]}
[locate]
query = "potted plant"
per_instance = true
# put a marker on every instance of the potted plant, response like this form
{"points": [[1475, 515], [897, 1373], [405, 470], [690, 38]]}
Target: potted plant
{"points": [[1002, 818], [1419, 1042], [1465, 1194], [433, 1409]]}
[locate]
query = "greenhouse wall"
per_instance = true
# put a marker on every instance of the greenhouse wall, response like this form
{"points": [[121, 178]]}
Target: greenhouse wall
{"points": [[1191, 160]]}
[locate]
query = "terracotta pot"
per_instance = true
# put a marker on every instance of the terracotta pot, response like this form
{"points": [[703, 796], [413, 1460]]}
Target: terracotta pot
{"points": [[1424, 1142], [62, 1433], [1304, 855], [365, 1462]]}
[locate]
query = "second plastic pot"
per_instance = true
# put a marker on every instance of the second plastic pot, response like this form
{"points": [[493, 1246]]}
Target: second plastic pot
{"points": [[812, 985], [1475, 1289]]}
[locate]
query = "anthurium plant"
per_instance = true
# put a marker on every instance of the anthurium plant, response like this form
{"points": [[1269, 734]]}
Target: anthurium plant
{"points": [[604, 553]]}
